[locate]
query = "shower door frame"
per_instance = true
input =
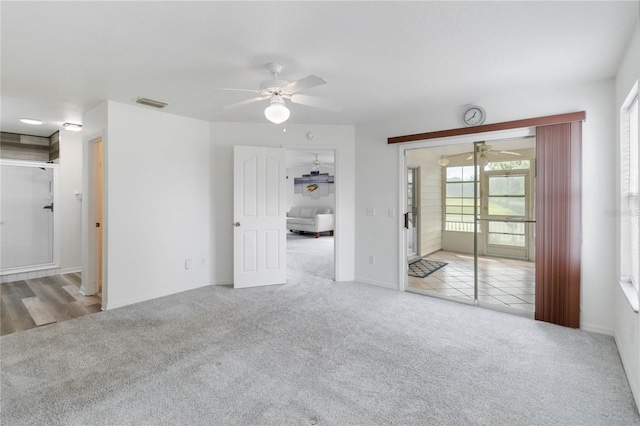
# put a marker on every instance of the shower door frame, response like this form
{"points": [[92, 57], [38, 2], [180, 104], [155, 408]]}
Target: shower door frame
{"points": [[55, 264]]}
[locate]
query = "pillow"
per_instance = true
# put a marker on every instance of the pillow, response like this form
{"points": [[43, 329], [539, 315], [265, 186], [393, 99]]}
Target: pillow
{"points": [[306, 212], [294, 212]]}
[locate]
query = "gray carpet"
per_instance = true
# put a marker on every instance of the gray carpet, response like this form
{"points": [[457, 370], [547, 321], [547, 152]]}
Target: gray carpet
{"points": [[308, 352]]}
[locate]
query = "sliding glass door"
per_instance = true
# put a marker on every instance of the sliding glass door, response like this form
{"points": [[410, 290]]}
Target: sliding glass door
{"points": [[478, 230]]}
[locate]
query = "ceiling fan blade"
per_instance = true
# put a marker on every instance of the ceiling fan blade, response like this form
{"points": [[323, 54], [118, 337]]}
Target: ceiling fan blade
{"points": [[469, 157], [302, 84], [510, 152], [245, 102], [241, 90], [313, 101]]}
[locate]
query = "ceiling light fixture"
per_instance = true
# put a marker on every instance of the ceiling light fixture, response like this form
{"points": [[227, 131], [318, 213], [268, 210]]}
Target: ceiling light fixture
{"points": [[483, 160], [72, 127], [443, 161], [277, 112], [151, 103], [31, 121]]}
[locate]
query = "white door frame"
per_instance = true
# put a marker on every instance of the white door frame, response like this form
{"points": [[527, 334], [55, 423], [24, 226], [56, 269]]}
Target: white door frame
{"points": [[89, 282], [402, 181], [336, 234]]}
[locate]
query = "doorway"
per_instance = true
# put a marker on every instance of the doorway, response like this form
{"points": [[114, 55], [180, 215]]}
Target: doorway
{"points": [[311, 254], [478, 217], [94, 274], [413, 213]]}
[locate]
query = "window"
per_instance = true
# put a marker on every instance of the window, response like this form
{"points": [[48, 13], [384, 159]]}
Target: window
{"points": [[506, 199], [459, 201], [628, 214]]}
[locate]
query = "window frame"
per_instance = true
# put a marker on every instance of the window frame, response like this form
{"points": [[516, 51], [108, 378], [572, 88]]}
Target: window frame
{"points": [[629, 199], [445, 181]]}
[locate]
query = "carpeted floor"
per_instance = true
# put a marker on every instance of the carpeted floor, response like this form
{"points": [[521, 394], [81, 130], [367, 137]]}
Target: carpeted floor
{"points": [[311, 351]]}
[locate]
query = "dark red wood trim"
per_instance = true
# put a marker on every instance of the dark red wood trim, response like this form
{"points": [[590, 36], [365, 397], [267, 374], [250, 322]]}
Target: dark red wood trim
{"points": [[507, 125], [558, 223]]}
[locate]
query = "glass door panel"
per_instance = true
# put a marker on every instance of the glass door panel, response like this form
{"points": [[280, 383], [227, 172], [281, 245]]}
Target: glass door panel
{"points": [[27, 215], [505, 274], [478, 209], [413, 197]]}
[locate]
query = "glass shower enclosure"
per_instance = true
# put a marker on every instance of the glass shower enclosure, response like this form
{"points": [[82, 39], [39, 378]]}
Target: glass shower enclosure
{"points": [[27, 217]]}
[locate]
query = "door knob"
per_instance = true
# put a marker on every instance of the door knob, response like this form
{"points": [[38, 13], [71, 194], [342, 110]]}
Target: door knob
{"points": [[236, 224]]}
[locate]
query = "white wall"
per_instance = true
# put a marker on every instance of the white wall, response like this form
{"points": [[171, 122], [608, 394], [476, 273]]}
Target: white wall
{"points": [[70, 170], [377, 184], [156, 214], [225, 135], [299, 200], [627, 322]]}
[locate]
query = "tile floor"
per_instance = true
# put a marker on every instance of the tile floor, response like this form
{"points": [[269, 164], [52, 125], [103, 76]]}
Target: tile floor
{"points": [[503, 282]]}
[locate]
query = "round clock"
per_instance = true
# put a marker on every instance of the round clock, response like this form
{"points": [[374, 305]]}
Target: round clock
{"points": [[473, 116]]}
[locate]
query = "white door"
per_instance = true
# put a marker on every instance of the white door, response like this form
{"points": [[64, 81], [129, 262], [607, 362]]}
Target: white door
{"points": [[413, 219], [506, 213], [259, 240]]}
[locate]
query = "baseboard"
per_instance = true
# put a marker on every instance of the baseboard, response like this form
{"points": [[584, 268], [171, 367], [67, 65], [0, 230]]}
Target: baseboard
{"points": [[73, 270], [228, 281], [634, 384], [109, 306], [596, 329], [390, 286]]}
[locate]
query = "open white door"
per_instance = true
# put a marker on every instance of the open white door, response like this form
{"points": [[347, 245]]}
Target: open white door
{"points": [[259, 202]]}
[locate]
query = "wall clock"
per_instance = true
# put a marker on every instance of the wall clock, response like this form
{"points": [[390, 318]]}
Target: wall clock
{"points": [[473, 116]]}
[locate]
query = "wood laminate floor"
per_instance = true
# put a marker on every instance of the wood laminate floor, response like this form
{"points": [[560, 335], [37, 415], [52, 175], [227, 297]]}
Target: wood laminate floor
{"points": [[41, 301]]}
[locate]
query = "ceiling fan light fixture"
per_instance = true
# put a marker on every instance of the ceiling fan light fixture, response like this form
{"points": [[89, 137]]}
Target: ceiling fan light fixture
{"points": [[483, 160], [443, 161], [277, 112]]}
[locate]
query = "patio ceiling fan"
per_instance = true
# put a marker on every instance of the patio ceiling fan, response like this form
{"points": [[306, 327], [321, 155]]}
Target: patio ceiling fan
{"points": [[279, 91], [484, 150]]}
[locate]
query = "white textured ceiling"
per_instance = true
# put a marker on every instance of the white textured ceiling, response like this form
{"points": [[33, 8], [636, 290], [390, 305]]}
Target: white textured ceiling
{"points": [[60, 59]]}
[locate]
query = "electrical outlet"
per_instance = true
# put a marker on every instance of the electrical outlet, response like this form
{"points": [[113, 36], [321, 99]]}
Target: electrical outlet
{"points": [[371, 211], [203, 261], [187, 264], [372, 260], [392, 212]]}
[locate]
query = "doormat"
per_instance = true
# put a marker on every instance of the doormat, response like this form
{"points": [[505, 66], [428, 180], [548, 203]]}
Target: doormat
{"points": [[423, 267]]}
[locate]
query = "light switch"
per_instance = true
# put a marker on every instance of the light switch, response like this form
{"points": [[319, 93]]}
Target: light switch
{"points": [[371, 211]]}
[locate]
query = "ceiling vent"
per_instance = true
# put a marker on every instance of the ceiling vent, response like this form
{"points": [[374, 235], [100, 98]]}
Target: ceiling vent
{"points": [[151, 103]]}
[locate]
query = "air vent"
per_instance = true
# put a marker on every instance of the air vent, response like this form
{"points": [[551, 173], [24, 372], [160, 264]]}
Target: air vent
{"points": [[151, 103]]}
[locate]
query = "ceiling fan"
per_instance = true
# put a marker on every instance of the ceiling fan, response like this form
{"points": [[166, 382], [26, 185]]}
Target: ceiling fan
{"points": [[484, 150], [278, 91], [316, 164]]}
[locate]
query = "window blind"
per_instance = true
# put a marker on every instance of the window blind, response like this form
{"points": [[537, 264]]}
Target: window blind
{"points": [[633, 196]]}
